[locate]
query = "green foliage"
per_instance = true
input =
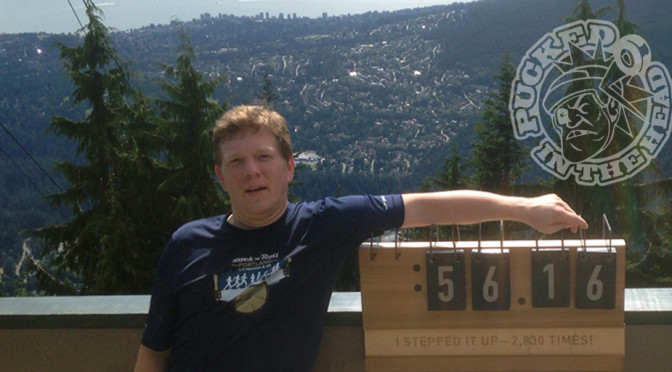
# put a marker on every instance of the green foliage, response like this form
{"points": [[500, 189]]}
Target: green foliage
{"points": [[187, 117], [624, 26], [497, 156], [267, 95], [91, 242], [583, 12], [140, 176], [451, 176], [653, 266], [638, 210]]}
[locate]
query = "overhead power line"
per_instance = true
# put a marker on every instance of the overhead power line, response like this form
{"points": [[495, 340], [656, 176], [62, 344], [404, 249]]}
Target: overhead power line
{"points": [[30, 180], [30, 156], [75, 13]]}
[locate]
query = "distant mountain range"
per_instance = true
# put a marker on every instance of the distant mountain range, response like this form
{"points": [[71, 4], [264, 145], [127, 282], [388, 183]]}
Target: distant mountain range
{"points": [[378, 97]]}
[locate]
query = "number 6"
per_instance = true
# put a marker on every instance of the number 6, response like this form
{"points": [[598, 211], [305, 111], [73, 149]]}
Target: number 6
{"points": [[595, 285], [490, 287]]}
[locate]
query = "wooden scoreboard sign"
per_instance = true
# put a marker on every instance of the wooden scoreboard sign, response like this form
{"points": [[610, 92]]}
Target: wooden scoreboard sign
{"points": [[494, 305]]}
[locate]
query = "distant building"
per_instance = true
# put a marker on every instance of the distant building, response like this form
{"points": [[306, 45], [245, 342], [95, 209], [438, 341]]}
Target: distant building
{"points": [[309, 158]]}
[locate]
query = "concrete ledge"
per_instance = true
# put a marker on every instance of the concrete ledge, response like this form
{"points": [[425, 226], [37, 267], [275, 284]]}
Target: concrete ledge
{"points": [[73, 312], [648, 306], [642, 307], [102, 333]]}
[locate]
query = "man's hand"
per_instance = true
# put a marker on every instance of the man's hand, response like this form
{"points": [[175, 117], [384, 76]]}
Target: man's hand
{"points": [[549, 214]]}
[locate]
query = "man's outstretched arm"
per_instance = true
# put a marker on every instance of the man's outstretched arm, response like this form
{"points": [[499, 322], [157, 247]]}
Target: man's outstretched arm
{"points": [[547, 213]]}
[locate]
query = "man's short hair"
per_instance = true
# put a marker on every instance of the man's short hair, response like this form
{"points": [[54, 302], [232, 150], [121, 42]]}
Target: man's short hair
{"points": [[251, 118]]}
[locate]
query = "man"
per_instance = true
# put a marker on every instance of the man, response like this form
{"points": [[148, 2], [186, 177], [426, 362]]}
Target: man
{"points": [[249, 290]]}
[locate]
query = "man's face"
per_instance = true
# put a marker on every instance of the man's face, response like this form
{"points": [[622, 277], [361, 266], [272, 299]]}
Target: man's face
{"points": [[583, 127], [256, 177]]}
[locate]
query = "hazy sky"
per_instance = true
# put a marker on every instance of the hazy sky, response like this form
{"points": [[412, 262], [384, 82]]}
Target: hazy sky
{"points": [[56, 16]]}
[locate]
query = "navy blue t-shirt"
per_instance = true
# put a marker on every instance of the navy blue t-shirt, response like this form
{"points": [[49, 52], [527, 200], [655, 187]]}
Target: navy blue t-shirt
{"points": [[227, 299]]}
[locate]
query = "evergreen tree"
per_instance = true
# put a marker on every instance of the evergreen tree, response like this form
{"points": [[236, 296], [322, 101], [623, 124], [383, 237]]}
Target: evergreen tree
{"points": [[652, 266], [104, 243], [590, 201], [619, 202], [267, 96], [451, 176], [651, 228], [624, 26], [583, 12], [187, 119], [497, 157], [141, 175]]}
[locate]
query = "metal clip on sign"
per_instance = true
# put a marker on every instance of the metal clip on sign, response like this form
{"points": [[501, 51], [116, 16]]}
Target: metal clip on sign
{"points": [[477, 256], [582, 242], [371, 254], [429, 239], [502, 255], [501, 229], [606, 228], [536, 242], [454, 229], [396, 245]]}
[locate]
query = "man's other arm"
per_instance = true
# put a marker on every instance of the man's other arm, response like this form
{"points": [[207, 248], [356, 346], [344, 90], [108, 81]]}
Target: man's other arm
{"points": [[151, 361]]}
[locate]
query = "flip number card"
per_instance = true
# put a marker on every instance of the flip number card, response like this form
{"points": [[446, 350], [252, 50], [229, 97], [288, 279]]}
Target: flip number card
{"points": [[595, 278], [446, 286], [490, 280], [550, 278]]}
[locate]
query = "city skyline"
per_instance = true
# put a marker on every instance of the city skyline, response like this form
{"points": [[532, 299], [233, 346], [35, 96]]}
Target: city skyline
{"points": [[57, 16]]}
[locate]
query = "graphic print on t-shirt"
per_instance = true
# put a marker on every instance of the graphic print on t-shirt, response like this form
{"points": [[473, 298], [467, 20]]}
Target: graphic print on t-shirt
{"points": [[247, 280]]}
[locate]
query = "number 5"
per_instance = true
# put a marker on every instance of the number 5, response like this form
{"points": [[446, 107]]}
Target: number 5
{"points": [[449, 293]]}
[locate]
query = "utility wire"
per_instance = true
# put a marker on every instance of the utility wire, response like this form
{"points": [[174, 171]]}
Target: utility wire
{"points": [[75, 13], [36, 163], [30, 180], [31, 157]]}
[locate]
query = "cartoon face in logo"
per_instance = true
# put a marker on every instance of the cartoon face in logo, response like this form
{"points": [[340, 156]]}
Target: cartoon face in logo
{"points": [[583, 128], [601, 106], [584, 123]]}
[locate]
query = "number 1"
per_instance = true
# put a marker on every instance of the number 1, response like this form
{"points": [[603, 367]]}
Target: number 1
{"points": [[550, 269]]}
